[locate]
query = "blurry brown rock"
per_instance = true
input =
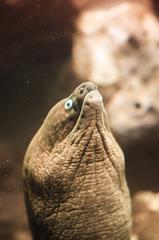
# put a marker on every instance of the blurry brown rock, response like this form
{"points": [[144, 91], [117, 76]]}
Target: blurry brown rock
{"points": [[146, 215], [117, 46], [134, 110], [116, 43]]}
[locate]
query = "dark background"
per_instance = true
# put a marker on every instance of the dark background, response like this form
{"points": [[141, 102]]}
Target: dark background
{"points": [[35, 43]]}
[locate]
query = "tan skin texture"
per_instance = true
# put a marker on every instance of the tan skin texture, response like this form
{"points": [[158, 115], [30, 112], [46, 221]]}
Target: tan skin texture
{"points": [[74, 176]]}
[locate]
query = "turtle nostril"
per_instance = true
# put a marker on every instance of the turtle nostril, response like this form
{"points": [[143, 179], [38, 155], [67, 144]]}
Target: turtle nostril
{"points": [[137, 105]]}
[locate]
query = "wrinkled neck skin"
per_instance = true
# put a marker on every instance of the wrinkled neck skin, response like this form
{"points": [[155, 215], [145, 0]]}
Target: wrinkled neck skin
{"points": [[79, 189], [92, 143]]}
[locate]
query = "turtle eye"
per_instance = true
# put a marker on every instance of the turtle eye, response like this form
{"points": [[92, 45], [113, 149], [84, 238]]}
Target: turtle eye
{"points": [[68, 104]]}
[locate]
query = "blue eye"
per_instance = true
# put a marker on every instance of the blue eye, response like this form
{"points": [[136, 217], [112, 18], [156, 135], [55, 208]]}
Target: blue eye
{"points": [[68, 104]]}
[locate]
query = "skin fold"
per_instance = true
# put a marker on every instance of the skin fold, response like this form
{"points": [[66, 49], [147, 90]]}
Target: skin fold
{"points": [[74, 176]]}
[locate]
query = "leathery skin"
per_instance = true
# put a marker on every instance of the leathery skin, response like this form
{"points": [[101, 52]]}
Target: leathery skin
{"points": [[74, 174]]}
